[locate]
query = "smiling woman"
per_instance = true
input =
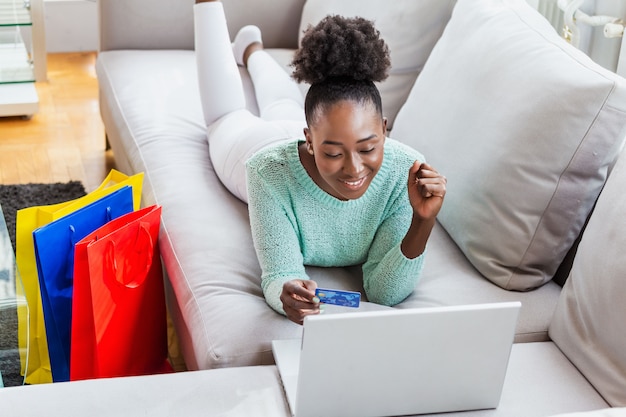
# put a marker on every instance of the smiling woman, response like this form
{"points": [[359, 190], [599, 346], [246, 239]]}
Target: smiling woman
{"points": [[324, 185], [349, 142]]}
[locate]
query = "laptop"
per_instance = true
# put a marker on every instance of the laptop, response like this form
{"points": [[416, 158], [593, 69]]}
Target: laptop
{"points": [[398, 362]]}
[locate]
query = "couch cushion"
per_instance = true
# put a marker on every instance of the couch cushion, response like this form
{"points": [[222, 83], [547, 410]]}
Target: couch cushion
{"points": [[410, 28], [524, 126], [156, 124], [448, 279], [589, 325]]}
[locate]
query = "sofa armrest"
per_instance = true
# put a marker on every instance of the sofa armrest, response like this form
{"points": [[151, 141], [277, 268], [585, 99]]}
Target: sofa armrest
{"points": [[168, 24]]}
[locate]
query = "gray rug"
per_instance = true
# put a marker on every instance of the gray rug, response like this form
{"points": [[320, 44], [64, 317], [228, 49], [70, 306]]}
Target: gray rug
{"points": [[13, 198]]}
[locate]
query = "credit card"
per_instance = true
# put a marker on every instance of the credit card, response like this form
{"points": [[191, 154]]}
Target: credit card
{"points": [[338, 297]]}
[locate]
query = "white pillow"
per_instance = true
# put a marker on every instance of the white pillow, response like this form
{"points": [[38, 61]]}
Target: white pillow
{"points": [[589, 325], [409, 27], [605, 412], [524, 126]]}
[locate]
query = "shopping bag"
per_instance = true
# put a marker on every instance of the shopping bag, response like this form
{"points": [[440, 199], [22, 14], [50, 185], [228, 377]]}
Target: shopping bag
{"points": [[36, 369], [119, 323], [54, 253]]}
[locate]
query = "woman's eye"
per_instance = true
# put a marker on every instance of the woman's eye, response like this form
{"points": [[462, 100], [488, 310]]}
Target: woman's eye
{"points": [[368, 150], [330, 155]]}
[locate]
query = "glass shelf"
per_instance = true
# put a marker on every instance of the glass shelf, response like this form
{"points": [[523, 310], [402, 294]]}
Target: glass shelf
{"points": [[15, 13], [13, 312], [16, 63], [20, 64]]}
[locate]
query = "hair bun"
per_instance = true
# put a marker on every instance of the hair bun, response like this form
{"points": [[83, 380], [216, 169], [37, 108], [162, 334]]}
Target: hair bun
{"points": [[340, 47]]}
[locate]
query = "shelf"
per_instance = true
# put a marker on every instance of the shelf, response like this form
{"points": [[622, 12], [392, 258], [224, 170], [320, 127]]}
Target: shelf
{"points": [[15, 13], [18, 99], [20, 66], [16, 63]]}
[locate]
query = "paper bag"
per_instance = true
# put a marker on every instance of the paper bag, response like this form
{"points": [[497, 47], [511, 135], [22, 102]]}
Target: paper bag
{"points": [[36, 369], [119, 317], [54, 253]]}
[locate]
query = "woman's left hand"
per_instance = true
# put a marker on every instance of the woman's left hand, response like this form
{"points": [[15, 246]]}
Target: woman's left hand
{"points": [[427, 189]]}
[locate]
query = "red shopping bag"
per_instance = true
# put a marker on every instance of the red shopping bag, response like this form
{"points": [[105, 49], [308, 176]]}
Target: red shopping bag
{"points": [[118, 314]]}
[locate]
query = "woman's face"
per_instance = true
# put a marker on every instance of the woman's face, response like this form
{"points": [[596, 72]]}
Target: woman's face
{"points": [[347, 146]]}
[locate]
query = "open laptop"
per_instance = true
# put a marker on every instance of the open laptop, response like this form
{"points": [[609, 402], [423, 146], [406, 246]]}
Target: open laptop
{"points": [[398, 362]]}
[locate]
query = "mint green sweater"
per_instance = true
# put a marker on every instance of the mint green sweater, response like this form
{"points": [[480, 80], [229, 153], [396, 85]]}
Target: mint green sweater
{"points": [[295, 223]]}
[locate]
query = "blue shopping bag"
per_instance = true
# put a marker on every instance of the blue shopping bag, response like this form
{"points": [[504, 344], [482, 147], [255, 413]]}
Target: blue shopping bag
{"points": [[54, 254]]}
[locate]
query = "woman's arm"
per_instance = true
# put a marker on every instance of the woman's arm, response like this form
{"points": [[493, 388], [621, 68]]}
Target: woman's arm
{"points": [[427, 189], [286, 287], [388, 275], [396, 256]]}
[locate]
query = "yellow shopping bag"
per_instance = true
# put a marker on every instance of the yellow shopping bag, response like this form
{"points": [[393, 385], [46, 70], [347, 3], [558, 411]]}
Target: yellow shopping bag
{"points": [[31, 331]]}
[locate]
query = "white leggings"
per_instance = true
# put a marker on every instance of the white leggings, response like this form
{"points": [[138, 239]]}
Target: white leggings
{"points": [[234, 133]]}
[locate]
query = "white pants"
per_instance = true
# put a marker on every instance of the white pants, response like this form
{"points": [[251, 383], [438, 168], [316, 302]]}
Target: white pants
{"points": [[234, 133]]}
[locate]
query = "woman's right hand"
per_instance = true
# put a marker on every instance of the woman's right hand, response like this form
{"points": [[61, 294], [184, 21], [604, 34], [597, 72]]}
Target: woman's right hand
{"points": [[299, 300]]}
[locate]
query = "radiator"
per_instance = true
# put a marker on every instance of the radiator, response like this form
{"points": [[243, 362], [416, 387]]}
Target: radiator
{"points": [[592, 41], [550, 10]]}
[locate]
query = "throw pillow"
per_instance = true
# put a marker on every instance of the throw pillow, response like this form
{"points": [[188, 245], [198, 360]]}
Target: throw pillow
{"points": [[524, 126], [588, 325], [409, 27]]}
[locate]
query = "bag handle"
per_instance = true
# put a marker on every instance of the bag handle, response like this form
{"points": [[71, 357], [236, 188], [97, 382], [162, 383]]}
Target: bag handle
{"points": [[73, 240], [137, 261], [69, 264]]}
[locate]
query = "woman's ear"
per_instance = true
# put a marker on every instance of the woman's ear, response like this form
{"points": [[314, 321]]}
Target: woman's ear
{"points": [[309, 140], [385, 131]]}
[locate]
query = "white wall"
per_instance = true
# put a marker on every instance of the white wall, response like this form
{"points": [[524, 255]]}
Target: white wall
{"points": [[71, 25]]}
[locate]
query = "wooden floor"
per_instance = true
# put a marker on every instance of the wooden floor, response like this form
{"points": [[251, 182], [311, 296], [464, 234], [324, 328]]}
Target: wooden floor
{"points": [[64, 140]]}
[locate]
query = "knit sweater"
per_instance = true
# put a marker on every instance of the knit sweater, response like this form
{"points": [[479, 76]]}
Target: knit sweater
{"points": [[296, 223]]}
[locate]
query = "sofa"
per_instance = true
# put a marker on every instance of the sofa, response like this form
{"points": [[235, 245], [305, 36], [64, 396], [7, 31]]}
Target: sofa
{"points": [[527, 129]]}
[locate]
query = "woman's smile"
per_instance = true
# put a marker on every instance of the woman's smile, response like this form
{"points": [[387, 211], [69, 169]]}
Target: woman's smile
{"points": [[354, 185]]}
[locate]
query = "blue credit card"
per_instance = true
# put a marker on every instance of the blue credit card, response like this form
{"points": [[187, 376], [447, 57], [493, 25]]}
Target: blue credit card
{"points": [[338, 297]]}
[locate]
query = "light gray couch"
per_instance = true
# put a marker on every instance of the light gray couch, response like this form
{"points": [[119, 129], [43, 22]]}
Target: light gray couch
{"points": [[150, 106]]}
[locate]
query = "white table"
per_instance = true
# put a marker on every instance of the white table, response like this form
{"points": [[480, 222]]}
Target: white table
{"points": [[540, 382], [230, 392]]}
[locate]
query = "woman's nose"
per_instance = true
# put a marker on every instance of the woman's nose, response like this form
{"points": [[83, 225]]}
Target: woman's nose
{"points": [[353, 165]]}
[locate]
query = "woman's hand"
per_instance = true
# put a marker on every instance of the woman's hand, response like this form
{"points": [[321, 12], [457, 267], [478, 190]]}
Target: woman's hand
{"points": [[299, 300], [427, 189]]}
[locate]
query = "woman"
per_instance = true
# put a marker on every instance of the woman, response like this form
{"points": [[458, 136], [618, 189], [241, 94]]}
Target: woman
{"points": [[340, 194]]}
